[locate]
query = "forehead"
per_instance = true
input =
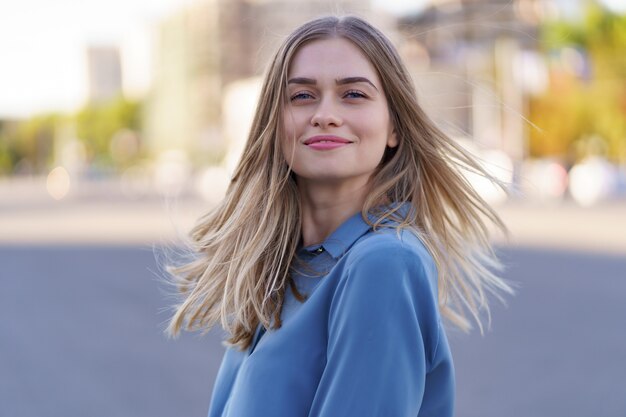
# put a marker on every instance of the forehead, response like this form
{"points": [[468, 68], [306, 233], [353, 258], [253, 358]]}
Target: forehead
{"points": [[333, 57]]}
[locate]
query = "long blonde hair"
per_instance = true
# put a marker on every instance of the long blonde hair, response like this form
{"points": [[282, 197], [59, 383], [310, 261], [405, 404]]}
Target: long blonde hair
{"points": [[245, 246]]}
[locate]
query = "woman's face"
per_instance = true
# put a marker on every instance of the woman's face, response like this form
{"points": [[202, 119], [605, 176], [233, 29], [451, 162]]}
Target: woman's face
{"points": [[336, 119]]}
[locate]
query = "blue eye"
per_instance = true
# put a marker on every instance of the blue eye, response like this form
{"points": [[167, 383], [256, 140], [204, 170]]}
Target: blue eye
{"points": [[301, 96], [354, 94]]}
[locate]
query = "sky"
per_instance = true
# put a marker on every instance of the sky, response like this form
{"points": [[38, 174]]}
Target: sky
{"points": [[42, 44]]}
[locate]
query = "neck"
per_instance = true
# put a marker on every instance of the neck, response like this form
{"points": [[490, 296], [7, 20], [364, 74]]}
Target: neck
{"points": [[324, 207]]}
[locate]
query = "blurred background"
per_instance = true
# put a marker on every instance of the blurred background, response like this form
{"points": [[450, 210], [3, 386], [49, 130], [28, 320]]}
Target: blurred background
{"points": [[121, 122]]}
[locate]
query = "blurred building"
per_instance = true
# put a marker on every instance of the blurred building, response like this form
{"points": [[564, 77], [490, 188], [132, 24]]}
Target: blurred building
{"points": [[183, 106], [475, 62], [104, 73]]}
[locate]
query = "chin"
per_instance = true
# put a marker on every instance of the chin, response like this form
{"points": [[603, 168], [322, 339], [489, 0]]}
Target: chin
{"points": [[321, 172]]}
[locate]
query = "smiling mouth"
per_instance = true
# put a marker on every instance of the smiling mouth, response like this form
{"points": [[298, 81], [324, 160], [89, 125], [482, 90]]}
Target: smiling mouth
{"points": [[327, 140], [327, 145]]}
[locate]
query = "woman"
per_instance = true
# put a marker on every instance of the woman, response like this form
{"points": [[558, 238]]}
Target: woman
{"points": [[346, 234]]}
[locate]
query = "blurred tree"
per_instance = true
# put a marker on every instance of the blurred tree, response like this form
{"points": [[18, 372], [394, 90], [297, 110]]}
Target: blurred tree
{"points": [[98, 123], [108, 130], [587, 94], [7, 157], [28, 146]]}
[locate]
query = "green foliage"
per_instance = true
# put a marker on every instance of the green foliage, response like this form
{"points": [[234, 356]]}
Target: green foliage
{"points": [[96, 124], [579, 107], [7, 159], [28, 145]]}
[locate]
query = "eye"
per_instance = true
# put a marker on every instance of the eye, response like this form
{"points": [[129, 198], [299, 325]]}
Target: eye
{"points": [[303, 95], [354, 94]]}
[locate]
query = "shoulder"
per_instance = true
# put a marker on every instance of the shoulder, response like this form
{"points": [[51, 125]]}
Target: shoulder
{"points": [[389, 276], [391, 248], [391, 260]]}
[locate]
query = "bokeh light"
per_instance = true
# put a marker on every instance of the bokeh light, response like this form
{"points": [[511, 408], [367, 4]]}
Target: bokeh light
{"points": [[592, 181], [58, 183]]}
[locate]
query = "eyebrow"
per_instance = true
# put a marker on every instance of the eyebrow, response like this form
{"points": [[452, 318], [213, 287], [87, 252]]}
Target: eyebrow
{"points": [[340, 81]]}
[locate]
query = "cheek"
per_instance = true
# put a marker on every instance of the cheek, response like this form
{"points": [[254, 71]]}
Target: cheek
{"points": [[378, 126]]}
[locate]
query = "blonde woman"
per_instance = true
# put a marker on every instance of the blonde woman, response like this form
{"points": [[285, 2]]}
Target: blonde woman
{"points": [[346, 234]]}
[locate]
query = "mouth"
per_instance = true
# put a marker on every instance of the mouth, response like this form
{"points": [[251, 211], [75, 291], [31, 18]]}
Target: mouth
{"points": [[326, 139]]}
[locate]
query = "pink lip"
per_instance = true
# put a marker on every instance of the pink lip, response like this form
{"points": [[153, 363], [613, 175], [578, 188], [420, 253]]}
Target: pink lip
{"points": [[326, 142]]}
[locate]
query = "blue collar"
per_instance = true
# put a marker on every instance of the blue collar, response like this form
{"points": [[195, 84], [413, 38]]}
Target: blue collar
{"points": [[348, 233]]}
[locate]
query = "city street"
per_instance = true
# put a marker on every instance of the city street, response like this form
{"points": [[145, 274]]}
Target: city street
{"points": [[123, 124]]}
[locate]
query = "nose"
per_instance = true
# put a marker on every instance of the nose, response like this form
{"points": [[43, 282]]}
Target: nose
{"points": [[326, 114]]}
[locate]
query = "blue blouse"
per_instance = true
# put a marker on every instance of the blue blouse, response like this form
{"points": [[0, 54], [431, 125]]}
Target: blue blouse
{"points": [[368, 340]]}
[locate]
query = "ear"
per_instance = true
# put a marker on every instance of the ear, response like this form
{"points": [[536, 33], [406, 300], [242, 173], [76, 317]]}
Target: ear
{"points": [[392, 139]]}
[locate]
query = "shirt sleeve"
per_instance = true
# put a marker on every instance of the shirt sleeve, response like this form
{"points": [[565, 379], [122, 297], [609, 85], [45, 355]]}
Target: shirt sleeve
{"points": [[378, 337]]}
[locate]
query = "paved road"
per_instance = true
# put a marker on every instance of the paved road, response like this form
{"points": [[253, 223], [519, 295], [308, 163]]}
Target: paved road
{"points": [[80, 335]]}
